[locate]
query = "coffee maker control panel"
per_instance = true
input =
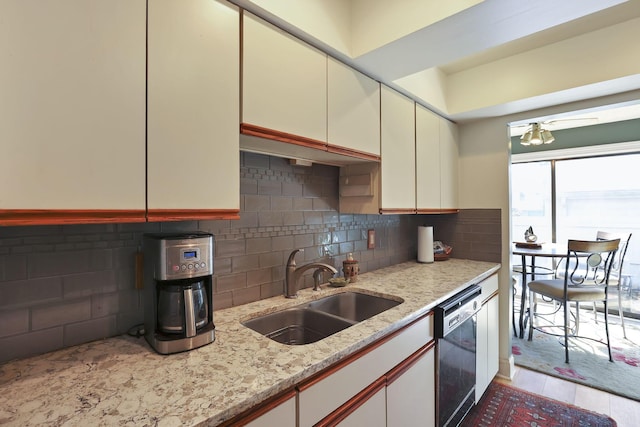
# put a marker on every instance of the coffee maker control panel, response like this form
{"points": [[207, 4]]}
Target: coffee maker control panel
{"points": [[184, 257], [187, 260]]}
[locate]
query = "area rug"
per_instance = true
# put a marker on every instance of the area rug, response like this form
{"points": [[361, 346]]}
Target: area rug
{"points": [[588, 359], [507, 406]]}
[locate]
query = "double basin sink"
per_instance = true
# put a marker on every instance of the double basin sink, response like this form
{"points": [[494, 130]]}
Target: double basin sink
{"points": [[315, 320]]}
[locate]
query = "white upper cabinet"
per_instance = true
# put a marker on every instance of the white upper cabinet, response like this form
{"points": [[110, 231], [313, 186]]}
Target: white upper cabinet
{"points": [[449, 157], [353, 110], [428, 174], [284, 82], [436, 163], [398, 176], [73, 107], [193, 109]]}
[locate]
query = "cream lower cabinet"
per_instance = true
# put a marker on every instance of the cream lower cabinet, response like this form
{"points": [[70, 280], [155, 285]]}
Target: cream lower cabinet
{"points": [[398, 163], [72, 112], [284, 82], [370, 412], [329, 396], [281, 413], [487, 345], [411, 391], [193, 154], [436, 163]]}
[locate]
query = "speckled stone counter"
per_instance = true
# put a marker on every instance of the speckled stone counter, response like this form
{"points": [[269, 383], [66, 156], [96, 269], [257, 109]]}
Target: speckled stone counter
{"points": [[122, 381]]}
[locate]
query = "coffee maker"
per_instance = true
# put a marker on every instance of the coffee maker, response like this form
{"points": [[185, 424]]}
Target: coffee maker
{"points": [[178, 292]]}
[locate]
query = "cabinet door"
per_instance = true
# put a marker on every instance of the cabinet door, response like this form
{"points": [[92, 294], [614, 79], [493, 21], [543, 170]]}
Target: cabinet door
{"points": [[73, 108], [411, 396], [284, 82], [428, 172], [398, 177], [193, 102], [317, 399], [482, 372], [283, 415], [493, 342], [449, 155], [353, 109], [487, 346], [371, 413]]}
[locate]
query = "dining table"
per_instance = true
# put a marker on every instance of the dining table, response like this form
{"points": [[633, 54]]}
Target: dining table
{"points": [[528, 268]]}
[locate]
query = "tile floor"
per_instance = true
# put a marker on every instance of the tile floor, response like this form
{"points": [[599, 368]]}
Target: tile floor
{"points": [[625, 412]]}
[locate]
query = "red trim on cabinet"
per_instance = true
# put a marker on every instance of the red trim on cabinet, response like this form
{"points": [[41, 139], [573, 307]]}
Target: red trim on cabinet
{"points": [[255, 412], [154, 215], [397, 372], [11, 217], [275, 135], [352, 153], [253, 130], [438, 211], [348, 408], [392, 211]]}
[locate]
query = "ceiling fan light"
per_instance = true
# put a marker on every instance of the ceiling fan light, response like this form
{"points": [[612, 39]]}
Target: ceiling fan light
{"points": [[547, 138], [536, 137], [526, 138]]}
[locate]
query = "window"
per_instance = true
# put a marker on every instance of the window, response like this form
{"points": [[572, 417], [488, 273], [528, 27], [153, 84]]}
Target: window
{"points": [[591, 194]]}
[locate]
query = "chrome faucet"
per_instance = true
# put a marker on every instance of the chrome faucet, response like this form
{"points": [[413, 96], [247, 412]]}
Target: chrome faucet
{"points": [[293, 274]]}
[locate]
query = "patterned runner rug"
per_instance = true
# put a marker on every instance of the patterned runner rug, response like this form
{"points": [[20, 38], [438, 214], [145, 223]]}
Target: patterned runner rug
{"points": [[588, 360], [507, 406]]}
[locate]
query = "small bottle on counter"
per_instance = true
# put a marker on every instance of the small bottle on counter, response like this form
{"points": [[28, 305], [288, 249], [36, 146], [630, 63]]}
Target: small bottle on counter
{"points": [[350, 268]]}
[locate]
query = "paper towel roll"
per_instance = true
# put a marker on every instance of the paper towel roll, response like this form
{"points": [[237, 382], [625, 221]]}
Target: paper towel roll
{"points": [[425, 244]]}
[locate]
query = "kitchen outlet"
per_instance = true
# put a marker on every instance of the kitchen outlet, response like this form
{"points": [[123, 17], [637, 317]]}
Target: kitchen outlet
{"points": [[371, 239]]}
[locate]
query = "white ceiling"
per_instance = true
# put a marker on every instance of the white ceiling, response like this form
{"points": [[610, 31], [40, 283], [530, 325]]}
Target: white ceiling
{"points": [[471, 59], [488, 31]]}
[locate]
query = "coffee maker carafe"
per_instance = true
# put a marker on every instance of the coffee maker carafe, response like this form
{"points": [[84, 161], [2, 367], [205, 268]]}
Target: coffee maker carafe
{"points": [[178, 273]]}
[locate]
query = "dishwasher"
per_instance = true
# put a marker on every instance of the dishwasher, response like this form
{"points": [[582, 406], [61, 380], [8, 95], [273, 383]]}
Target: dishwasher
{"points": [[455, 330]]}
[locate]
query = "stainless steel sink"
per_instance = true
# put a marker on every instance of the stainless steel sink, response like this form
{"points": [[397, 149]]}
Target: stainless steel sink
{"points": [[353, 305], [311, 322], [297, 326]]}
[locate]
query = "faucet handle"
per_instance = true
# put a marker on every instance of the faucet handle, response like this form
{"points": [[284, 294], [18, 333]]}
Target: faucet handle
{"points": [[292, 256], [317, 275]]}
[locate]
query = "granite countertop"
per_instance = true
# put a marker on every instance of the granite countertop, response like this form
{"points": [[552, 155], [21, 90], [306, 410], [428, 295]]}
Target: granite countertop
{"points": [[122, 381]]}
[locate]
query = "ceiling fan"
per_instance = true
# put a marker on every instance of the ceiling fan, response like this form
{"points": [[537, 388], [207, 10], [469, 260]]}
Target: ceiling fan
{"points": [[538, 133]]}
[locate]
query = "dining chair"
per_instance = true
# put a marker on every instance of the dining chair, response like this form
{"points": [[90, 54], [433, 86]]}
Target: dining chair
{"points": [[586, 279], [516, 279], [616, 279]]}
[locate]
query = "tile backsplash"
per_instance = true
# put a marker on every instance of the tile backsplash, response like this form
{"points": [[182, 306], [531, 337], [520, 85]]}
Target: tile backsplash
{"points": [[69, 284]]}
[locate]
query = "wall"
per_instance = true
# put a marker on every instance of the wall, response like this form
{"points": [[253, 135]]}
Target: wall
{"points": [[66, 285]]}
